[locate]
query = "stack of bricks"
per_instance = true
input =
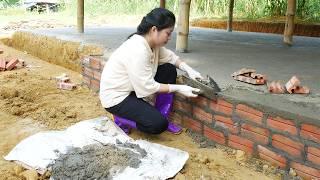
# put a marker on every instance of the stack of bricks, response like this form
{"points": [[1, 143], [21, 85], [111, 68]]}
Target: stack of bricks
{"points": [[92, 67], [286, 143]]}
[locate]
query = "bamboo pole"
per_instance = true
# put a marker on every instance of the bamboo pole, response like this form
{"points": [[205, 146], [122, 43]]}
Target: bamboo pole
{"points": [[80, 16], [289, 27], [183, 26], [163, 3], [230, 17]]}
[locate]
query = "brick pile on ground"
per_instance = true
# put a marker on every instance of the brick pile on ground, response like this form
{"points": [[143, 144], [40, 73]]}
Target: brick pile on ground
{"points": [[10, 64], [63, 82]]}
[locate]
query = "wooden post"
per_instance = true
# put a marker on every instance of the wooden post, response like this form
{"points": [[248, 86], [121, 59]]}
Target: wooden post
{"points": [[183, 26], [231, 5], [289, 27], [80, 16], [163, 3]]}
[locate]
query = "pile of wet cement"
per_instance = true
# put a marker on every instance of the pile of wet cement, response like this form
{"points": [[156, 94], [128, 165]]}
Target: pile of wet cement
{"points": [[96, 161]]}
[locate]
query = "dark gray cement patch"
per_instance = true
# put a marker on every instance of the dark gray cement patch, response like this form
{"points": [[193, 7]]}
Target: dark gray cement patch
{"points": [[96, 161]]}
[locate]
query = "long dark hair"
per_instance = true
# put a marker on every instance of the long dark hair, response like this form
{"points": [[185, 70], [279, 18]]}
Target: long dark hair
{"points": [[161, 18]]}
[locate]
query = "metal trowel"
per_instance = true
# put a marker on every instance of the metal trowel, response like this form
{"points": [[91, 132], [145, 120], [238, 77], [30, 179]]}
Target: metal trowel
{"points": [[208, 87]]}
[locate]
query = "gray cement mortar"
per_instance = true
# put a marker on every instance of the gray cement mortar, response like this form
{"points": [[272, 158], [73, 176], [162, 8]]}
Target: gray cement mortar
{"points": [[96, 161]]}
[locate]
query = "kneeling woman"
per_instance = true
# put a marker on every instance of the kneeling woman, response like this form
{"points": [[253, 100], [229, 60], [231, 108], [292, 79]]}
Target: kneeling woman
{"points": [[142, 66]]}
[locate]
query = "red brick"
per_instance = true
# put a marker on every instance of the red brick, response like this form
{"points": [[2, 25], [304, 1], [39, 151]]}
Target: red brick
{"points": [[182, 106], [292, 84], [86, 80], [66, 86], [87, 72], [2, 65], [272, 157], [192, 124], [221, 106], [313, 155], [305, 171], [226, 123], [94, 84], [214, 135], [12, 64], [200, 101], [292, 147], [240, 143], [249, 113], [310, 132], [282, 125], [97, 75], [180, 96], [257, 134], [175, 117], [95, 62], [202, 115], [224, 103]]}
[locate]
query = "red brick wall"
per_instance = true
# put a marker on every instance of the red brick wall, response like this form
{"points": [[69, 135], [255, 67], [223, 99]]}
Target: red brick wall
{"points": [[92, 67], [284, 142]]}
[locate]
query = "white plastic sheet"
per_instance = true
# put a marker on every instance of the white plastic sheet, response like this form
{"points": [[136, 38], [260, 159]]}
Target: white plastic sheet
{"points": [[41, 149]]}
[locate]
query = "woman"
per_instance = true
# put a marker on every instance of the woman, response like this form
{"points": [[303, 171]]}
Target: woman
{"points": [[141, 66]]}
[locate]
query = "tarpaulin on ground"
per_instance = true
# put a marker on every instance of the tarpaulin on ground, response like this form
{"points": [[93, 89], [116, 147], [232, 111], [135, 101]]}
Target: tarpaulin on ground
{"points": [[42, 149]]}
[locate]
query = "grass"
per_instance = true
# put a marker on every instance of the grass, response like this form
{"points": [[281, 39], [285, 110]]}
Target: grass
{"points": [[124, 12]]}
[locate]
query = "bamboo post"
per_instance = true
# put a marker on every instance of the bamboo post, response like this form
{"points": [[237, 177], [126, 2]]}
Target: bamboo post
{"points": [[289, 27], [80, 16], [183, 26], [230, 17], [163, 3], [47, 8]]}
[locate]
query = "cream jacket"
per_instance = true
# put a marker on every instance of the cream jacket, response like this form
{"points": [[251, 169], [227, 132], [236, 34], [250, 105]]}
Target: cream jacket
{"points": [[132, 67]]}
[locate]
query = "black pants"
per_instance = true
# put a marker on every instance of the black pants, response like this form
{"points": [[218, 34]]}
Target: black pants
{"points": [[147, 117]]}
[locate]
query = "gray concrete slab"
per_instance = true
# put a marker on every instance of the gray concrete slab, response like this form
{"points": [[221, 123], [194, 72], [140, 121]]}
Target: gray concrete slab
{"points": [[219, 53]]}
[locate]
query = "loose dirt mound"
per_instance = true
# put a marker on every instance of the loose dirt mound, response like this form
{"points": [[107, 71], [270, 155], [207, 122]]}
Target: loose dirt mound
{"points": [[311, 30]]}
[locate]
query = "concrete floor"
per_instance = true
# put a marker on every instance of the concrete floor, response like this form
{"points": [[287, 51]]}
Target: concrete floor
{"points": [[219, 53]]}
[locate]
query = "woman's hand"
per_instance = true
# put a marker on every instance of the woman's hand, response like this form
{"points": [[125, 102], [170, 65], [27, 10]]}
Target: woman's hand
{"points": [[193, 74], [184, 90]]}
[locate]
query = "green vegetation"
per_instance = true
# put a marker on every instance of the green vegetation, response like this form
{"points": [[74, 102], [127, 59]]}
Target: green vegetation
{"points": [[307, 10]]}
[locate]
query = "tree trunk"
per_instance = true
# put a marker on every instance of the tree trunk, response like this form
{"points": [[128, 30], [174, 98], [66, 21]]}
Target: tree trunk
{"points": [[289, 27], [183, 26], [80, 16], [163, 3], [231, 5]]}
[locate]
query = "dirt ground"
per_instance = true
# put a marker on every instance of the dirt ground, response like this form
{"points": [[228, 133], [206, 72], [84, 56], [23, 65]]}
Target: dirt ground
{"points": [[30, 102]]}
